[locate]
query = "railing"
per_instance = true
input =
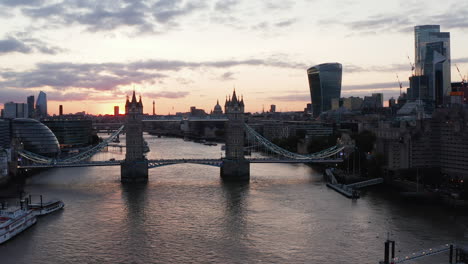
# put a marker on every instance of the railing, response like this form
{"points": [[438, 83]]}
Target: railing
{"points": [[291, 155], [73, 159], [422, 254]]}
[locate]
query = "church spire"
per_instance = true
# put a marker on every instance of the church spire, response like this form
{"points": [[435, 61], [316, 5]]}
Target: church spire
{"points": [[134, 96]]}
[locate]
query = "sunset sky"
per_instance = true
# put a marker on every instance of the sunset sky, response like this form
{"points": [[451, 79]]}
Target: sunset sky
{"points": [[87, 54]]}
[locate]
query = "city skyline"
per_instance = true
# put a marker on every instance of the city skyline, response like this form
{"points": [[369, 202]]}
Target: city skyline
{"points": [[87, 57]]}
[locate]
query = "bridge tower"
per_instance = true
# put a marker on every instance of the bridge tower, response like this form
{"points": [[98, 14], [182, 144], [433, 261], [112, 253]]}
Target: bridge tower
{"points": [[135, 167], [235, 167]]}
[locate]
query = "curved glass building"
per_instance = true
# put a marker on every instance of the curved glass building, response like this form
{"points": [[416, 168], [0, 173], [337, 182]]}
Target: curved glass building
{"points": [[35, 137], [325, 84]]}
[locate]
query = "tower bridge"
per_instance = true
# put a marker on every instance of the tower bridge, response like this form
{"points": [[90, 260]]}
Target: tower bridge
{"points": [[234, 167]]}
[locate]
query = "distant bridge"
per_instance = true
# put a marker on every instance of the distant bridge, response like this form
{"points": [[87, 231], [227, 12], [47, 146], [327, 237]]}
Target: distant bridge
{"points": [[167, 162]]}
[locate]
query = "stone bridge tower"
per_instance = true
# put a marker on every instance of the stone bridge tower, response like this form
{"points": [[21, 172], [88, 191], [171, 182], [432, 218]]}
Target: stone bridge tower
{"points": [[235, 167], [135, 167]]}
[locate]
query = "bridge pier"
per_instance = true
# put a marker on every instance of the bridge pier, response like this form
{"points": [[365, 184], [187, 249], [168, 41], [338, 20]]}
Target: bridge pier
{"points": [[235, 170], [134, 171]]}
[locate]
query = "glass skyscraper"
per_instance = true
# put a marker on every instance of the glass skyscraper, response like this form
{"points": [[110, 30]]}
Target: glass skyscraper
{"points": [[41, 104], [31, 106], [325, 85], [432, 59]]}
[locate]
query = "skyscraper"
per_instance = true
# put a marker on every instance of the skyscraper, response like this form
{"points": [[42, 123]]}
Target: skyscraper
{"points": [[432, 59], [15, 110], [41, 104], [116, 110], [30, 106], [324, 84]]}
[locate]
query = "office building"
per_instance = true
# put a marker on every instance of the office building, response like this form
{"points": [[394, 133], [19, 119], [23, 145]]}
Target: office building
{"points": [[324, 84], [15, 110], [41, 105], [71, 133], [30, 106], [432, 59], [352, 103], [272, 108], [116, 110], [60, 110]]}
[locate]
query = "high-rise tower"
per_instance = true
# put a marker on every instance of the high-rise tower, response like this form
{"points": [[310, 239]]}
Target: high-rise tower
{"points": [[325, 85], [432, 59], [30, 106], [135, 167], [41, 105]]}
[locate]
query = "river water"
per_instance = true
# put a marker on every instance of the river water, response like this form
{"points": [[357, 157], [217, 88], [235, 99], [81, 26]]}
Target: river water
{"points": [[186, 214]]}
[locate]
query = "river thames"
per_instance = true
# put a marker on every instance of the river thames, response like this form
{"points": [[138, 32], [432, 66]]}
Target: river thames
{"points": [[186, 214]]}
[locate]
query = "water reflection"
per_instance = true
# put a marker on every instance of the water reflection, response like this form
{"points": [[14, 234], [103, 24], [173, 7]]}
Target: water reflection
{"points": [[135, 221], [235, 227]]}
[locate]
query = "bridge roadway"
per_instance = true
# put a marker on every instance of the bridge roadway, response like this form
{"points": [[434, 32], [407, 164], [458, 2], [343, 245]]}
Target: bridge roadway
{"points": [[165, 162]]}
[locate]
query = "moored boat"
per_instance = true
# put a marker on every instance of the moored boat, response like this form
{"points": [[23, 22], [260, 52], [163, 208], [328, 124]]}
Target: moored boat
{"points": [[48, 207], [14, 220]]}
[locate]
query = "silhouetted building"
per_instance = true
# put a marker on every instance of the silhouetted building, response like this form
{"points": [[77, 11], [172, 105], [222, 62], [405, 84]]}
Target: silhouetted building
{"points": [[116, 110], [197, 112], [373, 102], [5, 135], [30, 102], [324, 84], [432, 59], [60, 110], [134, 129], [234, 109], [134, 106], [35, 137], [15, 110], [41, 105], [217, 109], [71, 132], [272, 108]]}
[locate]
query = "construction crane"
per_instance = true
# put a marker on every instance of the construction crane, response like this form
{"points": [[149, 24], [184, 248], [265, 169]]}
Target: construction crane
{"points": [[461, 76], [411, 64], [399, 82]]}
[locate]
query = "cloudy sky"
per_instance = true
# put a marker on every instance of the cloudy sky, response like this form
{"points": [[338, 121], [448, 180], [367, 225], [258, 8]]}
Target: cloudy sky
{"points": [[88, 54]]}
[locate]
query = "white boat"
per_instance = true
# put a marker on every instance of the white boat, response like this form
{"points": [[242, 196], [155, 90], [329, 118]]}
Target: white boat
{"points": [[47, 207], [14, 220]]}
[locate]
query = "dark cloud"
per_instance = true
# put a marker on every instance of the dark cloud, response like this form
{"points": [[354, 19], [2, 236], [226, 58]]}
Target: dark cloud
{"points": [[67, 75], [286, 23], [13, 3], [96, 16], [373, 86], [109, 76], [167, 94], [278, 5], [26, 45], [380, 22], [227, 76], [351, 68], [226, 5], [13, 45], [19, 95], [405, 20], [168, 10], [460, 60]]}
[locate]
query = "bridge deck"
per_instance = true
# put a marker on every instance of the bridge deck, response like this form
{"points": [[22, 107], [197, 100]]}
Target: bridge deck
{"points": [[163, 162]]}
